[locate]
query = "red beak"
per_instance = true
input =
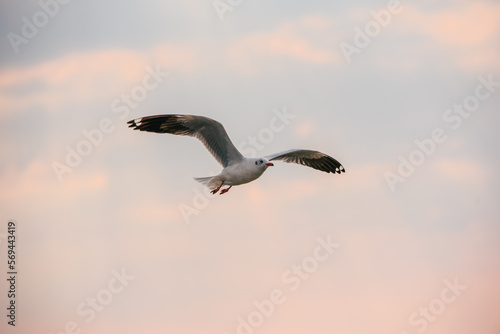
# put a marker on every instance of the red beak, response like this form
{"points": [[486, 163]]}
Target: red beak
{"points": [[269, 164]]}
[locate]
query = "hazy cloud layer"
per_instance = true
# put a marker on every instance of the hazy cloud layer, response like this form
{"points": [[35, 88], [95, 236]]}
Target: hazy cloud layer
{"points": [[415, 212]]}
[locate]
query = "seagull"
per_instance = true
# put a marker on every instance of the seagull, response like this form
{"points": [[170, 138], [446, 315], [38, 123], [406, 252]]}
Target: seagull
{"points": [[237, 168]]}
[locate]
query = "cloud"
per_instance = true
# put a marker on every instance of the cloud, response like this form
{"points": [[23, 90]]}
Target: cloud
{"points": [[156, 213], [304, 129], [461, 170], [38, 180], [297, 40], [70, 79], [449, 35], [84, 77], [458, 27], [121, 207], [468, 44]]}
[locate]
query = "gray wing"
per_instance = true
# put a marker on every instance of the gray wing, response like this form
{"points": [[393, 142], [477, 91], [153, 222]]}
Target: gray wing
{"points": [[210, 132], [314, 159]]}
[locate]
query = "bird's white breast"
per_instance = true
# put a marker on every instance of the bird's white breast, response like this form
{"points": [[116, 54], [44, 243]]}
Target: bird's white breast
{"points": [[241, 173]]}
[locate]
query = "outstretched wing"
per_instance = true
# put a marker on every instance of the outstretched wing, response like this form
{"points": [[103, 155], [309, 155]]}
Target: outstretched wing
{"points": [[314, 159], [210, 132]]}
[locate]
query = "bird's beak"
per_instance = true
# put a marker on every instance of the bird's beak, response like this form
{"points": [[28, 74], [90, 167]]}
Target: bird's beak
{"points": [[269, 164]]}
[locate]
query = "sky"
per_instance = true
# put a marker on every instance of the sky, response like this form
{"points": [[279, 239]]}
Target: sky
{"points": [[113, 235]]}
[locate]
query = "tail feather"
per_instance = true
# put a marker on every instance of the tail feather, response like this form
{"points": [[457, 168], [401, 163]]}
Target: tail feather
{"points": [[211, 182], [203, 180]]}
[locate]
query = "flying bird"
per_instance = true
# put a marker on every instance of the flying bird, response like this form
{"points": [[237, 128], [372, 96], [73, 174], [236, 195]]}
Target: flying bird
{"points": [[237, 168]]}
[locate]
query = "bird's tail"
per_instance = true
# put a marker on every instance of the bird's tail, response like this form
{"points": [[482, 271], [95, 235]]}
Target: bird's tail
{"points": [[211, 182]]}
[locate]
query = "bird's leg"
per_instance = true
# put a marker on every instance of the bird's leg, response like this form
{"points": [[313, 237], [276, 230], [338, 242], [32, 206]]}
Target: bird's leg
{"points": [[223, 191], [217, 189]]}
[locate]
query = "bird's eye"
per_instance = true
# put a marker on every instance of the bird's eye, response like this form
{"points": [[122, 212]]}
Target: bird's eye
{"points": [[261, 161]]}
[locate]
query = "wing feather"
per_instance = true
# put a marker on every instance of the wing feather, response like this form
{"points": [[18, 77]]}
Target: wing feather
{"points": [[309, 158], [210, 132]]}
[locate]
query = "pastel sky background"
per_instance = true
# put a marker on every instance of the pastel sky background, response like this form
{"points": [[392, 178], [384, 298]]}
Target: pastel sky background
{"points": [[121, 207]]}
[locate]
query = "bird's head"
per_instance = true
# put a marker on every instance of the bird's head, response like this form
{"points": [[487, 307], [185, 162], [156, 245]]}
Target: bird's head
{"points": [[263, 162]]}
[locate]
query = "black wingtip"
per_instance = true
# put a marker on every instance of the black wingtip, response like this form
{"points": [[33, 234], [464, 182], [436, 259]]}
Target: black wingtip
{"points": [[132, 124]]}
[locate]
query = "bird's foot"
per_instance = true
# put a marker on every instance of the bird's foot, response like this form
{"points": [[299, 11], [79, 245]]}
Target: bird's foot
{"points": [[217, 189], [223, 191]]}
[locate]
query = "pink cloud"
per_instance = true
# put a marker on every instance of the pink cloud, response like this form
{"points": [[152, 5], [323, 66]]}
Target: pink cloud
{"points": [[305, 128], [468, 32], [83, 77], [156, 213], [38, 180], [288, 41], [459, 26], [461, 170]]}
